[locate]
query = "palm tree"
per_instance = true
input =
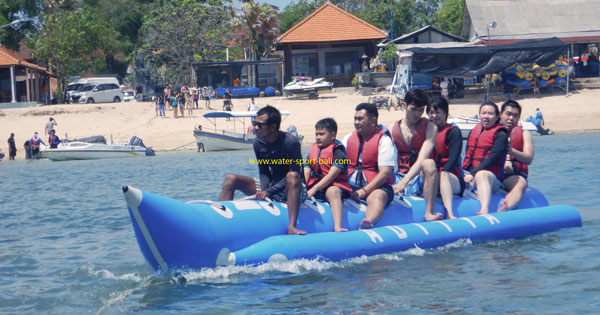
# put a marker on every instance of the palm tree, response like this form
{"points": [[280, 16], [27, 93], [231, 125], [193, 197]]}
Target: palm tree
{"points": [[258, 26]]}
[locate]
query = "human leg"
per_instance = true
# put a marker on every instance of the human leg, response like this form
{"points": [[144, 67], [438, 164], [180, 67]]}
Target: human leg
{"points": [[376, 201], [234, 182], [449, 186], [294, 188], [430, 184], [484, 181], [516, 186], [334, 197]]}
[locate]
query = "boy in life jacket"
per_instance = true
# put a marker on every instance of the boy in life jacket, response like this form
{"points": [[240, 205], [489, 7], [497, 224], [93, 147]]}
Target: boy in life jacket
{"points": [[448, 146], [372, 159], [486, 150], [414, 138], [520, 154], [279, 180], [326, 175]]}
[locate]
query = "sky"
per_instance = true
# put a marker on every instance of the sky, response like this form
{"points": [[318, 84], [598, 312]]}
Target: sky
{"points": [[280, 3]]}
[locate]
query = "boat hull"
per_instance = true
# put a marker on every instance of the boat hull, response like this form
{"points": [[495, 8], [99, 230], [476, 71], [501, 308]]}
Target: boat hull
{"points": [[173, 234], [223, 142], [91, 152]]}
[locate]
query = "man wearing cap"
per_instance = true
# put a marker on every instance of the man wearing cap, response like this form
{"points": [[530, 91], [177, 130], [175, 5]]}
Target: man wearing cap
{"points": [[50, 126]]}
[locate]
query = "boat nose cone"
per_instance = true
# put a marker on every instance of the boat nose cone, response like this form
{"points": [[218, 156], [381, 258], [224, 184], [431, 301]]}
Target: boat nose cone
{"points": [[133, 196]]}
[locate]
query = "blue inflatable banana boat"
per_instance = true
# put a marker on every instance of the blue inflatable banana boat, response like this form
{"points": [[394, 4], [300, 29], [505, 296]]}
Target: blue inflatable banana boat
{"points": [[198, 234]]}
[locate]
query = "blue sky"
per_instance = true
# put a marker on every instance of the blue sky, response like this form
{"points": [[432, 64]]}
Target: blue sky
{"points": [[280, 3]]}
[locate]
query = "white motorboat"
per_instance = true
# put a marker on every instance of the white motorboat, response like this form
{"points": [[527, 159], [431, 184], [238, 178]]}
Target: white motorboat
{"points": [[223, 140], [304, 86], [466, 124], [78, 150]]}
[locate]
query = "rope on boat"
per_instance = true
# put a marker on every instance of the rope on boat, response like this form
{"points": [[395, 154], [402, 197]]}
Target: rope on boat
{"points": [[179, 147]]}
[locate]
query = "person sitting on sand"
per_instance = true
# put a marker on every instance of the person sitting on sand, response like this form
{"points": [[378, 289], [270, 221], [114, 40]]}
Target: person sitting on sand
{"points": [[280, 180], [326, 176], [414, 138], [486, 150], [520, 154], [448, 145], [372, 158]]}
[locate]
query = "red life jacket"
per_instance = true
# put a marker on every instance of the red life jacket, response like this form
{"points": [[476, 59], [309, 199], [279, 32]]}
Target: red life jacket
{"points": [[442, 151], [479, 146], [35, 143], [516, 141], [369, 154], [321, 169], [408, 155]]}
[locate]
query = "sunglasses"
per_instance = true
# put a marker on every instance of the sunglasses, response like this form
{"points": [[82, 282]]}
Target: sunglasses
{"points": [[259, 124]]}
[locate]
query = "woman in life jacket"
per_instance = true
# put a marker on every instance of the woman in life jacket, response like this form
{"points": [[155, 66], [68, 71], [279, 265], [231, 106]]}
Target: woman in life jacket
{"points": [[447, 154], [487, 146]]}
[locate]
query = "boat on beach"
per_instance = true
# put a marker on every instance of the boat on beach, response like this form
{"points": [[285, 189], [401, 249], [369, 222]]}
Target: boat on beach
{"points": [[79, 150], [203, 234], [466, 124], [224, 140]]}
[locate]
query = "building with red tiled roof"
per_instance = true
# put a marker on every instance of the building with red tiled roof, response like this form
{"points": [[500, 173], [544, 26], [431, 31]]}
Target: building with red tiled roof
{"points": [[20, 80], [328, 43]]}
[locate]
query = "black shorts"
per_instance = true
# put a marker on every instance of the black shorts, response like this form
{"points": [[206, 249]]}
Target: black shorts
{"points": [[389, 192], [321, 193]]}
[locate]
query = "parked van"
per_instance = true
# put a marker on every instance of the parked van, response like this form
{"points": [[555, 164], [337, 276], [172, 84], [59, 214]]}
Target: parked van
{"points": [[80, 83], [98, 93]]}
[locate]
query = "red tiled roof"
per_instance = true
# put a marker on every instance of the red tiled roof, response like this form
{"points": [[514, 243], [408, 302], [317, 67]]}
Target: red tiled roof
{"points": [[329, 24], [9, 58]]}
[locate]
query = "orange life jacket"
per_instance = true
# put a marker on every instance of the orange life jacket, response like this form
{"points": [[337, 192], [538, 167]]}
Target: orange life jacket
{"points": [[479, 146], [516, 141], [369, 154], [407, 155], [320, 164]]}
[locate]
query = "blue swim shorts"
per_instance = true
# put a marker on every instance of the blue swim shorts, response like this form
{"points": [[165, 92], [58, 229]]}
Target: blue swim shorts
{"points": [[414, 187]]}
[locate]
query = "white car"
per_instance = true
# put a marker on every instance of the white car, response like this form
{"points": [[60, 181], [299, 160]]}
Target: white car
{"points": [[98, 93], [128, 96]]}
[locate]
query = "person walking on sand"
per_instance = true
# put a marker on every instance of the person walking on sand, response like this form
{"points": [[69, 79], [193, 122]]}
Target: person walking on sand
{"points": [[12, 148], [50, 126], [280, 182]]}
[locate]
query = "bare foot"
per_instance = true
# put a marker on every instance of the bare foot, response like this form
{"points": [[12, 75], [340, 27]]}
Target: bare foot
{"points": [[340, 229], [433, 217], [292, 230], [480, 212], [365, 224], [503, 206], [451, 217]]}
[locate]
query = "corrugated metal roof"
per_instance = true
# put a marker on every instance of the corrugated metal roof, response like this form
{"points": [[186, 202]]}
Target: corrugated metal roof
{"points": [[534, 19]]}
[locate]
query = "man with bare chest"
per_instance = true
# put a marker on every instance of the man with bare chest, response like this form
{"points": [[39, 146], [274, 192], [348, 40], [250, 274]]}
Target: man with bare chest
{"points": [[414, 138]]}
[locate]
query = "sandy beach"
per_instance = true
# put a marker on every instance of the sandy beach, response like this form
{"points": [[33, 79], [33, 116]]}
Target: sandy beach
{"points": [[577, 112]]}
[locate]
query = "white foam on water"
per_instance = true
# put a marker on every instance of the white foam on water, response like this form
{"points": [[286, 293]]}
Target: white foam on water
{"points": [[107, 274]]}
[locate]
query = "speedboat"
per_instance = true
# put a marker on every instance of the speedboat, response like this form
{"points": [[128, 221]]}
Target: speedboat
{"points": [[304, 86], [79, 150], [224, 140], [198, 234], [466, 124]]}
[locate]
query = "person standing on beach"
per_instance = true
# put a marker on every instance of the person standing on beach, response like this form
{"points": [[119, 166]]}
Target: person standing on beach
{"points": [[35, 144], [227, 105], [50, 126], [252, 106], [520, 154], [279, 180], [195, 97], [139, 93], [12, 148]]}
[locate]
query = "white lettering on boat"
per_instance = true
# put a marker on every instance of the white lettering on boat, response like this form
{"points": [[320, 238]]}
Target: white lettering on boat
{"points": [[398, 231], [470, 222], [422, 228], [373, 235], [446, 225], [493, 220]]}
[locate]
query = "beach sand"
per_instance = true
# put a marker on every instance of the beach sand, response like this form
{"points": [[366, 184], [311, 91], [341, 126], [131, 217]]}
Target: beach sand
{"points": [[577, 112]]}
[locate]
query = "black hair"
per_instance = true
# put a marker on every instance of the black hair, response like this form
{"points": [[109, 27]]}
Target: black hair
{"points": [[438, 103], [491, 104], [370, 108], [416, 98], [328, 124], [510, 103], [273, 115]]}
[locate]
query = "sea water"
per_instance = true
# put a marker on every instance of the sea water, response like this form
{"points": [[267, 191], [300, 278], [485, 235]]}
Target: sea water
{"points": [[67, 246]]}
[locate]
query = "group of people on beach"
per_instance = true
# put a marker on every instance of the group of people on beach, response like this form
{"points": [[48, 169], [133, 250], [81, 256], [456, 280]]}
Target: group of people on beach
{"points": [[32, 146], [414, 156], [188, 98]]}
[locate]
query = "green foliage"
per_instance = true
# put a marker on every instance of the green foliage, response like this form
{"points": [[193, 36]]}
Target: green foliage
{"points": [[182, 32], [388, 55], [257, 27], [450, 15], [296, 12], [11, 10], [70, 39]]}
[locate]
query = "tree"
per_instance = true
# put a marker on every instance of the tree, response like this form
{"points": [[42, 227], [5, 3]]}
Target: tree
{"points": [[11, 10], [296, 12], [71, 38], [258, 25], [183, 32], [450, 15]]}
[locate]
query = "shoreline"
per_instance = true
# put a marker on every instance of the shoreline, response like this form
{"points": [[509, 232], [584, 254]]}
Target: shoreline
{"points": [[575, 113]]}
